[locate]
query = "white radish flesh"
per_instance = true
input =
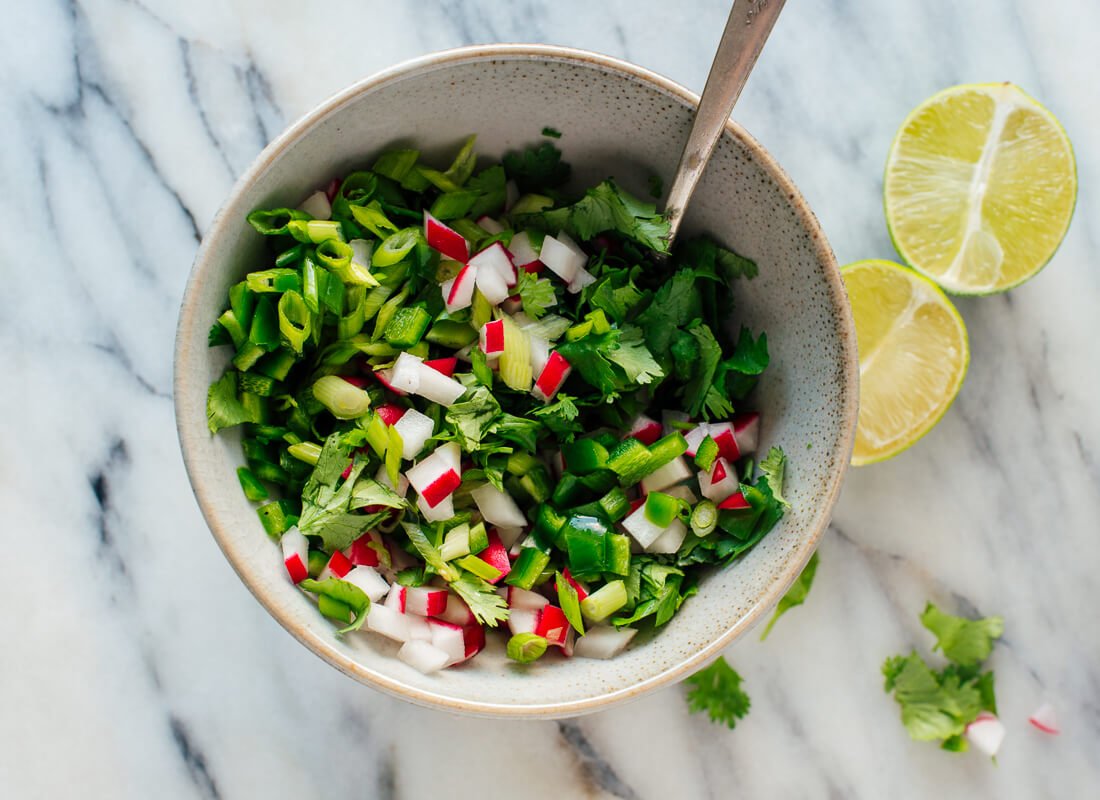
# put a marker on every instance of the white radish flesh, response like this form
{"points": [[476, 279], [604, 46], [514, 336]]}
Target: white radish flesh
{"points": [[986, 733], [391, 624], [492, 285], [496, 258], [746, 430], [695, 437], [418, 628], [440, 513], [458, 292], [317, 206], [490, 225], [670, 540], [603, 641], [522, 251], [672, 473], [415, 430], [497, 507], [437, 387], [552, 377], [540, 353], [448, 638], [638, 525], [522, 620], [383, 477], [580, 280], [524, 599], [457, 612], [373, 585], [423, 656], [509, 535], [720, 482], [560, 258], [395, 599], [295, 554]]}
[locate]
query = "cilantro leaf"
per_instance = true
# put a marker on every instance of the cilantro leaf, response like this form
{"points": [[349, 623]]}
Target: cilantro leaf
{"points": [[326, 509], [429, 552], [713, 261], [223, 409], [472, 417], [964, 641], [774, 466], [612, 362], [489, 184], [485, 604], [560, 416], [750, 357], [717, 691], [634, 358], [795, 596], [934, 706], [695, 391], [537, 168], [606, 207], [536, 294], [369, 492]]}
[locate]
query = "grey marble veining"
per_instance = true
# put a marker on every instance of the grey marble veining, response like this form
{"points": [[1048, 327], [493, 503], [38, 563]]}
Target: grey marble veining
{"points": [[136, 665]]}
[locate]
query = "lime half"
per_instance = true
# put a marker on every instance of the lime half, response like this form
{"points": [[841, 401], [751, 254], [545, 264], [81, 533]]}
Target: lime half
{"points": [[913, 355], [980, 187]]}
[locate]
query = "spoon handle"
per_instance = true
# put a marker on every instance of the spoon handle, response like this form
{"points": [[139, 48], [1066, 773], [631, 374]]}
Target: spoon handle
{"points": [[747, 29]]}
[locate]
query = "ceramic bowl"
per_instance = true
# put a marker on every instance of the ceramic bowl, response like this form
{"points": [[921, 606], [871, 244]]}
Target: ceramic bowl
{"points": [[620, 120]]}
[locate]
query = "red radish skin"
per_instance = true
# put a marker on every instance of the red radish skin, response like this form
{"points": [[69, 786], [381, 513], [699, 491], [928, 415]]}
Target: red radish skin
{"points": [[552, 625], [390, 413], [582, 592], [332, 188], [361, 554], [457, 611], [474, 638], [723, 436], [1045, 720], [496, 555], [425, 601], [338, 566], [496, 258], [296, 569], [446, 240], [492, 338], [444, 366], [534, 268], [396, 599], [735, 502], [358, 381], [441, 488], [637, 503], [718, 473], [465, 274], [295, 549], [552, 377], [384, 377], [646, 430]]}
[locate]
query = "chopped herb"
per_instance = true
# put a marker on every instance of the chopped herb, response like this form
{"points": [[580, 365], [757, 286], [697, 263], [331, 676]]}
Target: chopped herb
{"points": [[717, 691]]}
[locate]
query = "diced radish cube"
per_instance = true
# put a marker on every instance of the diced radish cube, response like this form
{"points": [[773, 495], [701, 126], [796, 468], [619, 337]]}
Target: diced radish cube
{"points": [[670, 540], [582, 590], [434, 478], [540, 353], [448, 638], [423, 656], [458, 292], [383, 477], [525, 599], [492, 285], [496, 556], [695, 437], [415, 430], [437, 387], [363, 550], [560, 258], [474, 638], [418, 628], [457, 612], [720, 482], [551, 377], [722, 433], [446, 240], [373, 585], [426, 601], [582, 279], [385, 377], [495, 258], [440, 513], [645, 430], [395, 600], [337, 567], [490, 225], [603, 641], [295, 554], [522, 620], [509, 535], [317, 206], [746, 430], [670, 474], [986, 733], [497, 507], [405, 373], [492, 338], [513, 305], [523, 254], [637, 524], [390, 413], [1045, 719], [735, 502], [552, 625], [391, 624], [683, 493]]}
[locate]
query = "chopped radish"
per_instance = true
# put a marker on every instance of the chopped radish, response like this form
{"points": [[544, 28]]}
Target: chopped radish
{"points": [[603, 641], [525, 599], [735, 502], [373, 585], [523, 254], [582, 590], [358, 381], [746, 430], [420, 655], [1045, 720], [522, 620], [450, 454], [670, 540], [395, 600], [645, 429], [552, 376], [390, 413], [552, 625], [670, 417], [722, 433], [446, 240], [720, 482], [540, 353], [457, 611], [495, 258], [560, 258], [580, 280], [492, 338], [317, 206], [695, 437], [448, 638], [332, 188], [418, 628], [415, 430], [435, 478], [439, 513], [337, 567], [385, 377], [391, 624], [637, 524], [492, 285], [458, 292], [362, 553], [383, 477], [684, 493], [410, 374], [490, 225], [986, 733], [474, 638], [509, 535], [295, 554], [670, 474], [496, 556], [405, 373], [426, 601], [513, 305], [497, 507]]}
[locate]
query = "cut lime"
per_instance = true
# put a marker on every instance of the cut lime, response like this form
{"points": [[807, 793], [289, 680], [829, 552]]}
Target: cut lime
{"points": [[980, 187], [913, 355]]}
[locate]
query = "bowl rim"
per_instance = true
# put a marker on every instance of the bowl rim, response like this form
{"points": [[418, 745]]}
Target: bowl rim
{"points": [[189, 430]]}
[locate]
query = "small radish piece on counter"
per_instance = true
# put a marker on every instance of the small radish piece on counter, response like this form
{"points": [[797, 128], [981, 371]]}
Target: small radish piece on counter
{"points": [[373, 585], [670, 474], [492, 339], [421, 655], [746, 430], [1045, 720], [446, 240], [495, 258], [295, 554], [391, 624], [497, 507], [986, 733], [415, 430], [426, 601], [603, 641], [645, 429], [720, 482], [458, 292], [551, 377]]}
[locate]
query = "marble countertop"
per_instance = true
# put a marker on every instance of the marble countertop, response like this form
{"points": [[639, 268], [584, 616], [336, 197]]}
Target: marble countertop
{"points": [[136, 665]]}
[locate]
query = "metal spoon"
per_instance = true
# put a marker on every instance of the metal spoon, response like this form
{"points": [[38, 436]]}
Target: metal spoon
{"points": [[749, 24]]}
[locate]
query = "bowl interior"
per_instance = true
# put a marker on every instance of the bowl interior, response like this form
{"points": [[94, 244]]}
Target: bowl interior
{"points": [[616, 120]]}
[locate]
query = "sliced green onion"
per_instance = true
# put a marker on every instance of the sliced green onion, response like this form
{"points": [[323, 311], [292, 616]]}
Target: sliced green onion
{"points": [[481, 311], [295, 321], [479, 538], [264, 331], [705, 453], [483, 569], [314, 281], [374, 219], [396, 164], [605, 601], [274, 222], [315, 231], [356, 189], [342, 399], [394, 448], [309, 452], [515, 361], [250, 484], [378, 436], [457, 543], [395, 247], [389, 308], [351, 323], [704, 518], [526, 647], [530, 204], [570, 602], [290, 256], [527, 569], [454, 205], [273, 280]]}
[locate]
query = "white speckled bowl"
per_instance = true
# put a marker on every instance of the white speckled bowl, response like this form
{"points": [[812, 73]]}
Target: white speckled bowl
{"points": [[618, 119]]}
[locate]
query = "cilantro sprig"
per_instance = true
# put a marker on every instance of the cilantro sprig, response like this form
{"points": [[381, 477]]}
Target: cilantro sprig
{"points": [[717, 691]]}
